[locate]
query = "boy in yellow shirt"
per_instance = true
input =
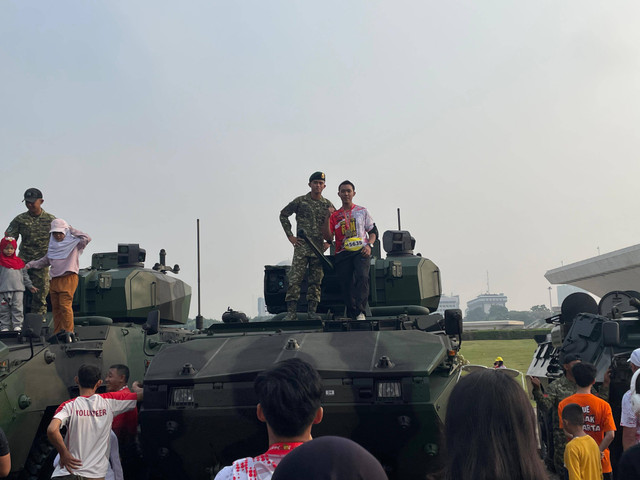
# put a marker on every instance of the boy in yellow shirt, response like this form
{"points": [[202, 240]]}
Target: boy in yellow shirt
{"points": [[582, 456]]}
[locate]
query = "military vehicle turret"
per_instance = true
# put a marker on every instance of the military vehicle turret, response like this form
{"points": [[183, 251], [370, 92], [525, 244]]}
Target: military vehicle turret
{"points": [[387, 379], [603, 334], [113, 299]]}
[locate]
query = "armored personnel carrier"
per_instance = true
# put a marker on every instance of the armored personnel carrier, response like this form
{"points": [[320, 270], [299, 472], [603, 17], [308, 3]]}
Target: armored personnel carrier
{"points": [[387, 379], [113, 299], [603, 334]]}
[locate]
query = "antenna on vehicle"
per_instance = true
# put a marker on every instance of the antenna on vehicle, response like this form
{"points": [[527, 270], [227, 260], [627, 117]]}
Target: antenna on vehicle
{"points": [[199, 319], [399, 228]]}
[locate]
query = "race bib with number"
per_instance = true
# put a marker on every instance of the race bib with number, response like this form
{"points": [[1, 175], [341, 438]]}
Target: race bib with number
{"points": [[353, 244]]}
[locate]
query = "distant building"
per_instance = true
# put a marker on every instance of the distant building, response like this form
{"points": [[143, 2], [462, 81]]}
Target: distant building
{"points": [[262, 307], [447, 303], [486, 300]]}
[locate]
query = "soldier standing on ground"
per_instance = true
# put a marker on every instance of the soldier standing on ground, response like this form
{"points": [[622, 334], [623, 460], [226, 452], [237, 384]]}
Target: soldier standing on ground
{"points": [[312, 211], [33, 228]]}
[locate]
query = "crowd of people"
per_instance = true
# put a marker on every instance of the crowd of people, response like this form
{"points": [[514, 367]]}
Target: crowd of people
{"points": [[583, 422], [489, 428], [100, 428], [47, 263]]}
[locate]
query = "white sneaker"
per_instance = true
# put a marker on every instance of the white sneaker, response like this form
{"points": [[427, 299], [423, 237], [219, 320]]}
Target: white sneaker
{"points": [[4, 329], [17, 329], [361, 317]]}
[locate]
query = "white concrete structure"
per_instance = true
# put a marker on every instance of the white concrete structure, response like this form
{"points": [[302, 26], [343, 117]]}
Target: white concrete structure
{"points": [[618, 270], [563, 291], [493, 325]]}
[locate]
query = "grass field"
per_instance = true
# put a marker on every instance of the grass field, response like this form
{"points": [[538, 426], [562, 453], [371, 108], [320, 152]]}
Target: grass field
{"points": [[516, 354]]}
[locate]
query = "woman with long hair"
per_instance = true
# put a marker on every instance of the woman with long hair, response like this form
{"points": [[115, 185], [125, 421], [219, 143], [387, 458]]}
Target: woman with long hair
{"points": [[490, 430]]}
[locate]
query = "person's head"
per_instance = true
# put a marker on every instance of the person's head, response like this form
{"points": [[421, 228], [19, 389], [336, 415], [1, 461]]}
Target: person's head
{"points": [[289, 396], [346, 192], [33, 201], [117, 377], [59, 229], [568, 361], [8, 246], [572, 418], [490, 430], [634, 360], [584, 374], [329, 457], [635, 393], [316, 182], [498, 362], [89, 376]]}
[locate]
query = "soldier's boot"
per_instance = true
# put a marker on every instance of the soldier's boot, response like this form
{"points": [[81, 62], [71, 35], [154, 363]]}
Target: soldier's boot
{"points": [[292, 306], [311, 311]]}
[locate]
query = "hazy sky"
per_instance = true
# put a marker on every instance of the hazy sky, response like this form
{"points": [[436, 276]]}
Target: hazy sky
{"points": [[505, 132]]}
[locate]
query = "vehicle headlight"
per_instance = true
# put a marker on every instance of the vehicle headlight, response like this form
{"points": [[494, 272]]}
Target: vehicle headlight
{"points": [[389, 390], [182, 397]]}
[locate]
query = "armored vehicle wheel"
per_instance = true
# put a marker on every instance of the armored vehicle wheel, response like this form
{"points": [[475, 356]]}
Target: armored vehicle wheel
{"points": [[39, 464]]}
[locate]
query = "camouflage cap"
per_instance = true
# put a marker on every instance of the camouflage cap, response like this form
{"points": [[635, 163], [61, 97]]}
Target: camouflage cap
{"points": [[316, 176], [31, 195]]}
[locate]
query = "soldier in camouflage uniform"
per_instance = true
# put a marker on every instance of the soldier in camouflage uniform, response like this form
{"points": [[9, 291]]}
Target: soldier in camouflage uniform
{"points": [[33, 227], [557, 391], [312, 211]]}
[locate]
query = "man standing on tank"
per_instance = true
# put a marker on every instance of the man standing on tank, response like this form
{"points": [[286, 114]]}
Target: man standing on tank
{"points": [[33, 227], [312, 212], [355, 235]]}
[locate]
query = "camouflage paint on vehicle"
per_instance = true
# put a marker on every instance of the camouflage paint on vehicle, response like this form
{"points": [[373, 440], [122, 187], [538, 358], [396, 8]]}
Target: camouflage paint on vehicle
{"points": [[32, 386]]}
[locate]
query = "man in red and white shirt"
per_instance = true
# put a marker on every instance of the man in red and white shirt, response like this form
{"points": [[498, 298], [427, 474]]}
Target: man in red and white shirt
{"points": [[289, 396], [85, 449], [125, 425], [355, 235]]}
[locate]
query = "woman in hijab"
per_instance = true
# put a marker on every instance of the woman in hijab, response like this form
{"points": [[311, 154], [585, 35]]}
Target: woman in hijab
{"points": [[329, 458], [65, 246]]}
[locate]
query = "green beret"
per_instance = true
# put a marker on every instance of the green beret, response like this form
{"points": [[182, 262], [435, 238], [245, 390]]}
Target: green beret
{"points": [[316, 176]]}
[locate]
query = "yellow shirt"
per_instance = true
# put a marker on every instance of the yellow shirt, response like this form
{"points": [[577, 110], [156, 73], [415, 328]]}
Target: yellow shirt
{"points": [[582, 459]]}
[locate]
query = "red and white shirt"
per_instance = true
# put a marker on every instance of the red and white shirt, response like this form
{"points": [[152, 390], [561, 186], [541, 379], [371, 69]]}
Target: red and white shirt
{"points": [[352, 223], [88, 421], [125, 425], [257, 468]]}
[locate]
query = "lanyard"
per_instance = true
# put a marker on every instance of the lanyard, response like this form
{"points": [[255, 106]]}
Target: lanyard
{"points": [[347, 219]]}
